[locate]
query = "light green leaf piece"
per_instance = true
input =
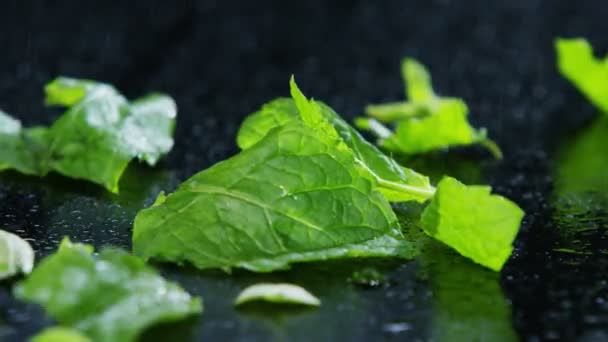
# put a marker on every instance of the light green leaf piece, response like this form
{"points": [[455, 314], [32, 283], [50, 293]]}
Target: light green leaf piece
{"points": [[477, 224], [297, 195], [277, 293], [60, 334], [16, 255], [425, 122], [577, 63], [112, 296], [282, 111], [96, 138]]}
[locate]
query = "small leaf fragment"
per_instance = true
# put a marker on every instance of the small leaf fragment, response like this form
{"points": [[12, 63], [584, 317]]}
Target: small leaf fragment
{"points": [[477, 224], [16, 255], [60, 334], [277, 293], [577, 63]]}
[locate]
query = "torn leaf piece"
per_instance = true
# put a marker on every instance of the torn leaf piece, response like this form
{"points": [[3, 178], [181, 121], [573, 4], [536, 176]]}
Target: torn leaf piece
{"points": [[112, 296], [60, 334], [577, 63], [95, 139], [425, 122], [16, 255], [277, 293], [477, 224]]}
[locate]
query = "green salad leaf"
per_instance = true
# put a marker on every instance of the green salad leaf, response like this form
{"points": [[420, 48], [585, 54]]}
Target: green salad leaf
{"points": [[577, 63], [477, 224], [60, 334], [16, 255], [277, 293], [95, 139], [426, 121], [298, 194], [112, 296], [305, 187], [282, 111]]}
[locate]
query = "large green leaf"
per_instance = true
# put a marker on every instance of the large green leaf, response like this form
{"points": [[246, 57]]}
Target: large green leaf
{"points": [[477, 224], [112, 296], [297, 195], [589, 74], [16, 255], [96, 138], [426, 121]]}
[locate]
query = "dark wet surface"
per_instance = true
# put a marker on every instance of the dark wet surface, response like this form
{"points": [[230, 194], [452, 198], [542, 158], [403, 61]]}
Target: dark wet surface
{"points": [[222, 59]]}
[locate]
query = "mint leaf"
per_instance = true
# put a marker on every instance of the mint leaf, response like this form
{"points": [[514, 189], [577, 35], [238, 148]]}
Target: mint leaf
{"points": [[277, 293], [282, 111], [96, 138], [425, 122], [60, 334], [588, 73], [16, 255], [478, 225], [297, 195], [112, 296]]}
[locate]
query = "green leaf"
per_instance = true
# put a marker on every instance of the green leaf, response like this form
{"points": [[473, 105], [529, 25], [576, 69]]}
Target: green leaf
{"points": [[426, 122], [277, 293], [112, 296], [96, 138], [588, 73], [16, 255], [60, 334], [478, 225], [297, 195], [419, 88], [282, 111]]}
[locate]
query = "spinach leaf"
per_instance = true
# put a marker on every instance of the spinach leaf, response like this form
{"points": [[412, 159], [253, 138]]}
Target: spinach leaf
{"points": [[95, 139], [588, 73], [277, 293], [112, 296], [60, 334], [16, 255], [478, 225], [426, 121]]}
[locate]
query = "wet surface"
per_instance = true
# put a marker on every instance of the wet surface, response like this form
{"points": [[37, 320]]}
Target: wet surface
{"points": [[221, 60]]}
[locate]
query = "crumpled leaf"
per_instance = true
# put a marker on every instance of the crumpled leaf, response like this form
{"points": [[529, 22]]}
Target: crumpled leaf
{"points": [[95, 139], [477, 224], [277, 293], [112, 296], [425, 122], [16, 255], [588, 73]]}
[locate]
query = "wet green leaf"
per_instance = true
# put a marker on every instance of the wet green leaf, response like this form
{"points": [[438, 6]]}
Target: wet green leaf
{"points": [[112, 296], [95, 139], [477, 224]]}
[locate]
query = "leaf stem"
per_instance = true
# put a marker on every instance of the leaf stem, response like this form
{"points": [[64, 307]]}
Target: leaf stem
{"points": [[422, 192]]}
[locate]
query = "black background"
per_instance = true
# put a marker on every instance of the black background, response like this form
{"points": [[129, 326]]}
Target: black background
{"points": [[220, 60]]}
